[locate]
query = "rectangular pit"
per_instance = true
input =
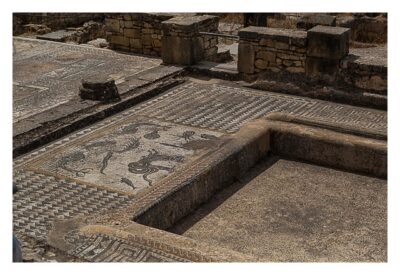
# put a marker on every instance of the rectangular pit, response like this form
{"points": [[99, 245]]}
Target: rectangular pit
{"points": [[290, 192], [285, 210]]}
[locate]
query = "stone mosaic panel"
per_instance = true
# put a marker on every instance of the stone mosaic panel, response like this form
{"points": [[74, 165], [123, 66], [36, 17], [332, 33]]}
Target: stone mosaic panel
{"points": [[223, 108], [105, 248], [127, 156], [41, 199]]}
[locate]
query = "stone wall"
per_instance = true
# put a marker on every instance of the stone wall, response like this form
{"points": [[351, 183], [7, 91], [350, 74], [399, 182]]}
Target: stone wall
{"points": [[271, 49], [366, 69], [54, 21], [143, 32], [136, 32]]}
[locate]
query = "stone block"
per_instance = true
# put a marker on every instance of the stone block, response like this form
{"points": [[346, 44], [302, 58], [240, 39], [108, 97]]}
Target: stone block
{"points": [[127, 17], [261, 64], [119, 40], [246, 56], [309, 21], [132, 33], [295, 69], [112, 25], [288, 63], [136, 43], [146, 39], [267, 42], [281, 45], [99, 88], [128, 24], [328, 42], [156, 43], [267, 56], [181, 50], [148, 31], [320, 67]]}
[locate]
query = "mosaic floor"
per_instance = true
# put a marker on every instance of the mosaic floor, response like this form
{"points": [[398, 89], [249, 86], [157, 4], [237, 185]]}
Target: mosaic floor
{"points": [[47, 74], [103, 167]]}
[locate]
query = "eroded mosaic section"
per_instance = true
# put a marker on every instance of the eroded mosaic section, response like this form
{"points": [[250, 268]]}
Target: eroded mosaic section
{"points": [[128, 156], [60, 69], [42, 199], [105, 248]]}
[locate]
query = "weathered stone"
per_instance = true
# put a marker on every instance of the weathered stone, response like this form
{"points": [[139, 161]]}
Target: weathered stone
{"points": [[147, 31], [281, 45], [288, 56], [328, 42], [132, 33], [246, 58], [112, 24], [128, 24], [288, 63], [98, 88], [261, 64], [181, 50], [146, 39], [268, 56], [374, 82], [127, 17], [320, 67], [156, 43], [119, 40], [275, 34], [311, 20], [267, 42], [295, 69], [136, 43]]}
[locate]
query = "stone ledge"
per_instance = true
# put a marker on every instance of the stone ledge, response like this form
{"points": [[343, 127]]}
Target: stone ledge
{"points": [[187, 23], [282, 35]]}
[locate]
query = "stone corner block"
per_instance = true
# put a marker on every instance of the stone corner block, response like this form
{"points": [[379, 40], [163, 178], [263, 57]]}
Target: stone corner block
{"points": [[328, 42], [246, 58]]}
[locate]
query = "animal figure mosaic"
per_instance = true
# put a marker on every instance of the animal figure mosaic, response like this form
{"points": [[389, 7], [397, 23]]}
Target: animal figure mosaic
{"points": [[145, 167]]}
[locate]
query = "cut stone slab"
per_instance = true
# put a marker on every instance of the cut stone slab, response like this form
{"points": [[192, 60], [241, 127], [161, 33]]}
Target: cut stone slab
{"points": [[295, 37], [328, 42], [99, 88], [57, 36]]}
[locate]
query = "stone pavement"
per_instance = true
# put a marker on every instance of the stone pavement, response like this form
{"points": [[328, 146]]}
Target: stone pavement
{"points": [[104, 166]]}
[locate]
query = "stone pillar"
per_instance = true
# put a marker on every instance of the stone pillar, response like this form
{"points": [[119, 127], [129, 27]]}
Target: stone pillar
{"points": [[182, 43], [327, 46]]}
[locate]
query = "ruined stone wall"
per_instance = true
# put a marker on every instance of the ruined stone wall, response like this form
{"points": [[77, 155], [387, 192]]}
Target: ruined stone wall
{"points": [[136, 32], [366, 69], [209, 24], [54, 21], [142, 32], [271, 49]]}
